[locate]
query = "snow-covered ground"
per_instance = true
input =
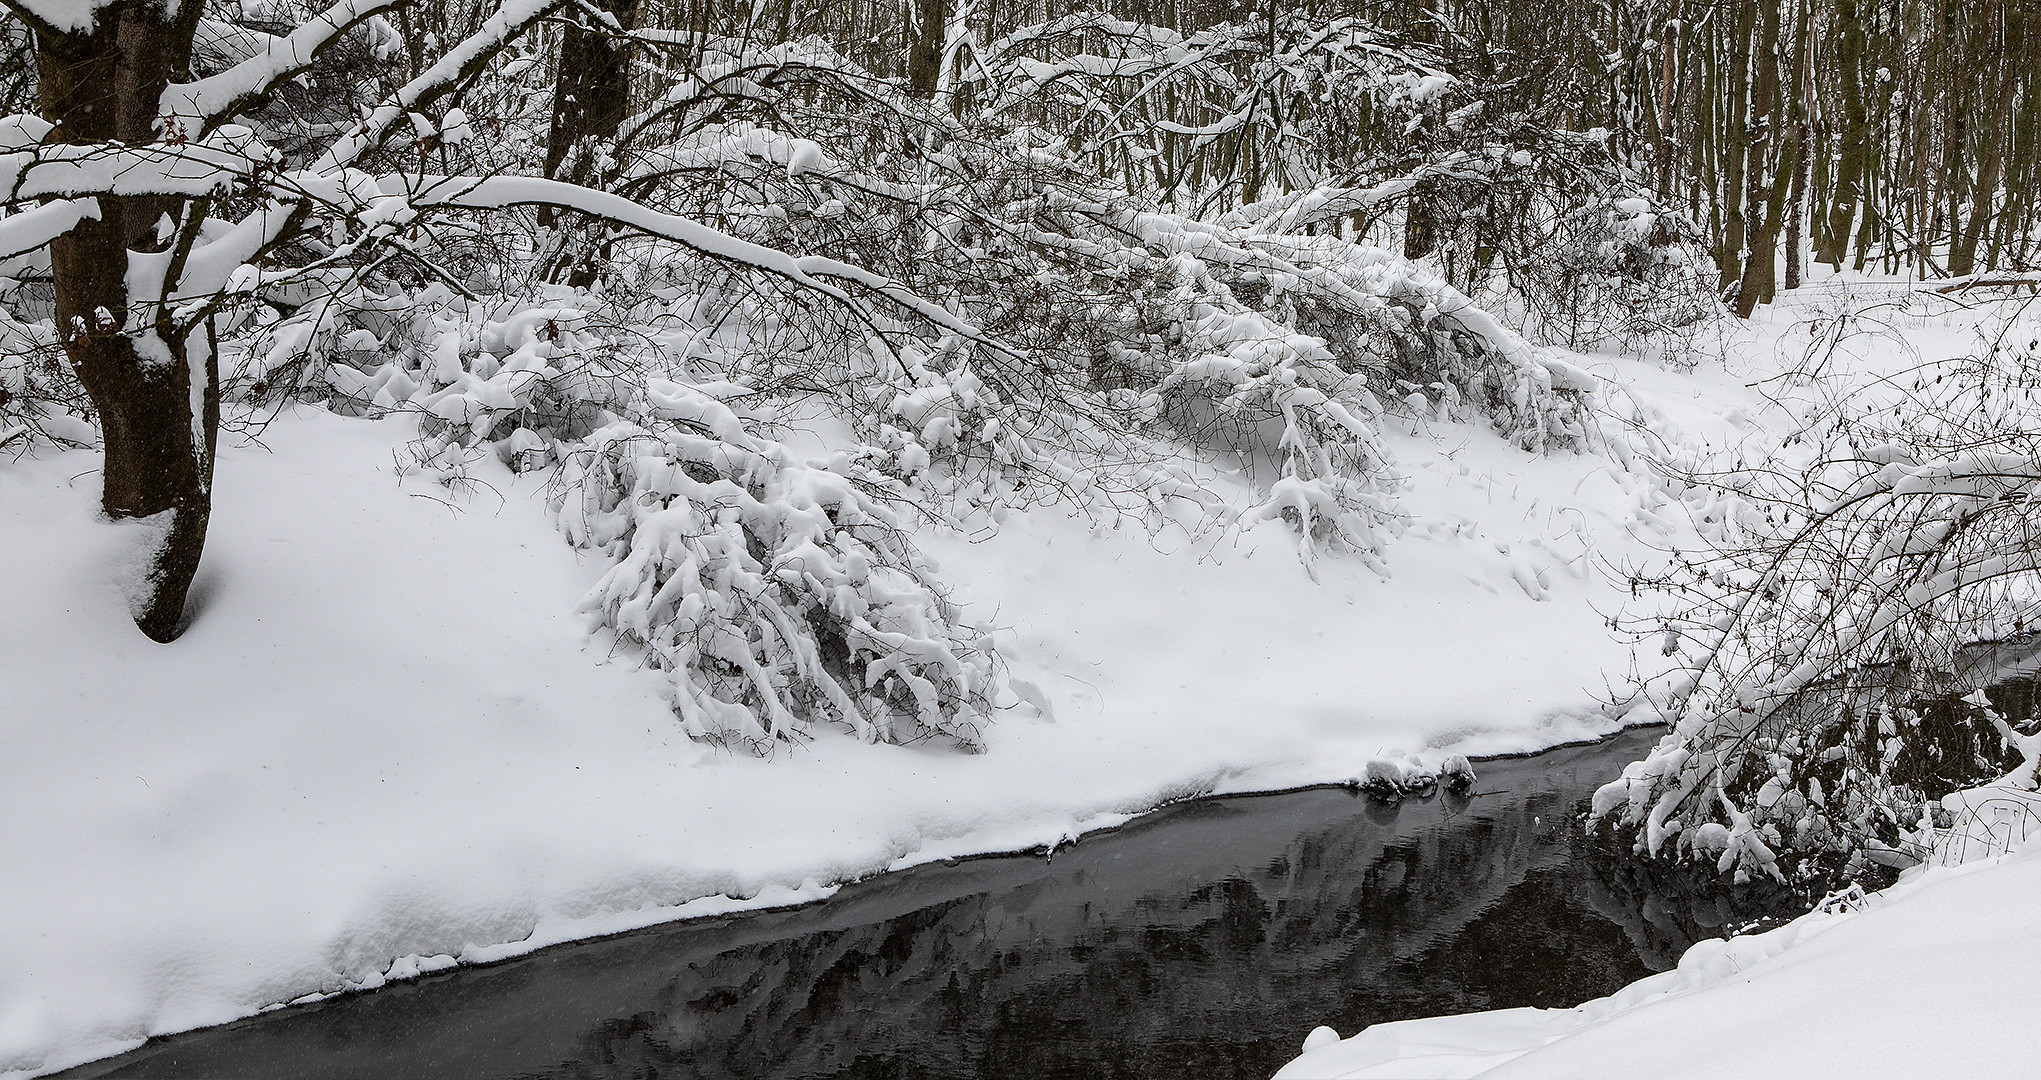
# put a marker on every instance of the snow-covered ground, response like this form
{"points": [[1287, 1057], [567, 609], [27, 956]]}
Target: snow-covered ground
{"points": [[388, 745]]}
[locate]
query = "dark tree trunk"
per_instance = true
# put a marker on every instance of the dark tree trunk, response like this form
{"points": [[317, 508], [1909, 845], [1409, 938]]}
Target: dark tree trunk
{"points": [[1761, 237], [1856, 135], [100, 85], [591, 99], [1796, 200], [925, 51], [1802, 146], [1420, 227], [1737, 139]]}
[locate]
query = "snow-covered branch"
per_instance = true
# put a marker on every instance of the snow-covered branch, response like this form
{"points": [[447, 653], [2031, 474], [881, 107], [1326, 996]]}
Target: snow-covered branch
{"points": [[217, 99], [1845, 604]]}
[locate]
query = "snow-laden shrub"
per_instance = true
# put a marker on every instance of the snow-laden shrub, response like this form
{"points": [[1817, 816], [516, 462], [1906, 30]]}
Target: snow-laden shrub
{"points": [[1244, 373], [779, 594], [40, 398], [1233, 336], [1119, 339], [1435, 351], [1620, 273]]}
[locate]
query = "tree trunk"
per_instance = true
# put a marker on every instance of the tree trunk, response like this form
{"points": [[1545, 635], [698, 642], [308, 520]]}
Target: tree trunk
{"points": [[1736, 142], [99, 85], [1802, 145], [1796, 198], [591, 98], [1856, 135], [1664, 113], [925, 48], [1764, 121], [1420, 230]]}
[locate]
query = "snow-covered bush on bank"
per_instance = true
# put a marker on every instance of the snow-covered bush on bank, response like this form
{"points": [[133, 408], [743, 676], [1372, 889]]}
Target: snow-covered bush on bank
{"points": [[985, 318], [779, 593], [1114, 336], [1866, 576]]}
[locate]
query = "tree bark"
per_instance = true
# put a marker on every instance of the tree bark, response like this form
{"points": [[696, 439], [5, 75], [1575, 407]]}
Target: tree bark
{"points": [[97, 85], [1796, 200], [591, 99], [1736, 139], [1764, 121], [1802, 143], [925, 49], [1851, 165]]}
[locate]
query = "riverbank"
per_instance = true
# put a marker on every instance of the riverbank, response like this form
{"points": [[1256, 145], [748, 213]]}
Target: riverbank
{"points": [[387, 746], [1183, 945], [1931, 975]]}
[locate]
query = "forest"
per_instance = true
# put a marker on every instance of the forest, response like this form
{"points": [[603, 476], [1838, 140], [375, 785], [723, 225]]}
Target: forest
{"points": [[764, 300], [1024, 252]]}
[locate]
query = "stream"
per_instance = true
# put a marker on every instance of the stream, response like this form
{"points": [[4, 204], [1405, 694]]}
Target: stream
{"points": [[1204, 940]]}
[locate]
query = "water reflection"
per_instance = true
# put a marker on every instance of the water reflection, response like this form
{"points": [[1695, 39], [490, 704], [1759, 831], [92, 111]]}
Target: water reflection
{"points": [[1203, 941]]}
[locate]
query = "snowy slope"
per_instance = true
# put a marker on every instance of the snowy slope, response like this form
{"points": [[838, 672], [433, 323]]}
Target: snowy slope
{"points": [[387, 744], [1931, 976]]}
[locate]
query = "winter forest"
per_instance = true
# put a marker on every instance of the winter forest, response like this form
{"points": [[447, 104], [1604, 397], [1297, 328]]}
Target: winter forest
{"points": [[483, 475]]}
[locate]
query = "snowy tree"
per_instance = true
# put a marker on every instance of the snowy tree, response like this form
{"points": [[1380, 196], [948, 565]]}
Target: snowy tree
{"points": [[1820, 690], [112, 197], [159, 210]]}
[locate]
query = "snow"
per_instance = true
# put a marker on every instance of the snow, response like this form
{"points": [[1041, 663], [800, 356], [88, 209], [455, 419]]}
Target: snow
{"points": [[388, 742], [386, 735], [1932, 974], [63, 15], [212, 99], [30, 229], [497, 192]]}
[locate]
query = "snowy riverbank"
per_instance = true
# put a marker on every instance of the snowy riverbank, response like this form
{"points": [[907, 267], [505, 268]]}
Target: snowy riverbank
{"points": [[387, 738], [1931, 975], [1937, 968], [387, 744]]}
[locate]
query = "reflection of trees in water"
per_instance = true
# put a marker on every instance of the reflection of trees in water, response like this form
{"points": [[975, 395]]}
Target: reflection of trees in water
{"points": [[1161, 978], [1667, 904], [1202, 942]]}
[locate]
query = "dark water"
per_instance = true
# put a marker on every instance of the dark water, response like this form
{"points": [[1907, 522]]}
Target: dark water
{"points": [[1202, 941]]}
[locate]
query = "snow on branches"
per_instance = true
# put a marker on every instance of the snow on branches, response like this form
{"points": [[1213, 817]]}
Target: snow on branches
{"points": [[1866, 576], [1213, 115], [989, 319], [778, 593]]}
